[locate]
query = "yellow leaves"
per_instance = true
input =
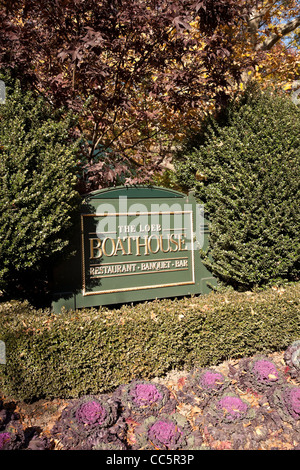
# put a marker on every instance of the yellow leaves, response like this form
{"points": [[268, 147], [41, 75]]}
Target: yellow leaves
{"points": [[194, 23]]}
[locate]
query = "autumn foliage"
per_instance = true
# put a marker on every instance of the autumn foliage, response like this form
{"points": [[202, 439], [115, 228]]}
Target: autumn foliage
{"points": [[141, 73], [137, 72]]}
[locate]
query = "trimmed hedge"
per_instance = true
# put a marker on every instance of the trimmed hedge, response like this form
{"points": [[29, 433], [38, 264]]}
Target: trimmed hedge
{"points": [[93, 351]]}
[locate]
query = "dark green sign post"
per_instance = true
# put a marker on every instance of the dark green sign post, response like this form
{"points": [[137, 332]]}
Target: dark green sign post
{"points": [[134, 243]]}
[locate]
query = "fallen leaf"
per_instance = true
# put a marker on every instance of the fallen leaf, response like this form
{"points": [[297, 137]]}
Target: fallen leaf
{"points": [[272, 376]]}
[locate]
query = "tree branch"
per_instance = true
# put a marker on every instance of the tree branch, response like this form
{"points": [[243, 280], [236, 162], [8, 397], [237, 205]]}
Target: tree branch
{"points": [[256, 19], [283, 30]]}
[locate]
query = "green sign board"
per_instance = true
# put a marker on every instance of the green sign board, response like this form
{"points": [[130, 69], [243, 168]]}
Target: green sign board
{"points": [[134, 243]]}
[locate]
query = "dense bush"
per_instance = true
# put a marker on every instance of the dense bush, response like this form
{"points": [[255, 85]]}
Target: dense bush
{"points": [[244, 165], [92, 351], [37, 191]]}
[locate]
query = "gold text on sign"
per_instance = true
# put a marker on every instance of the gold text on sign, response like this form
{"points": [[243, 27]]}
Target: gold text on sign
{"points": [[138, 246]]}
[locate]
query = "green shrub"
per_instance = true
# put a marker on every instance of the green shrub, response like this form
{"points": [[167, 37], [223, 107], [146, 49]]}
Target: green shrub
{"points": [[38, 178], [244, 165], [92, 351]]}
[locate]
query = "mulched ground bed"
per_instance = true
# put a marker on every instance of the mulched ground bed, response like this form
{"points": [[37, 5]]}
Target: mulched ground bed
{"points": [[43, 414]]}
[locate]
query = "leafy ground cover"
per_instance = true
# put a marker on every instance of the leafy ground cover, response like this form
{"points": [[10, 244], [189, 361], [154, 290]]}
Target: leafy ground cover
{"points": [[250, 403]]}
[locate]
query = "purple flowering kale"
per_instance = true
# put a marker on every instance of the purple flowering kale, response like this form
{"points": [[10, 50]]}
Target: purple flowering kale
{"points": [[229, 422], [4, 440], [91, 413], [258, 374], [201, 385], [265, 371], [141, 399], [292, 401], [285, 406], [12, 437], [87, 419], [145, 394], [292, 359], [286, 401], [166, 432], [230, 408], [211, 380]]}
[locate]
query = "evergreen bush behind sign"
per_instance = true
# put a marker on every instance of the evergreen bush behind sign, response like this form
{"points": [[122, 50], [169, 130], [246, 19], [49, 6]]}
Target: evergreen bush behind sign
{"points": [[134, 243]]}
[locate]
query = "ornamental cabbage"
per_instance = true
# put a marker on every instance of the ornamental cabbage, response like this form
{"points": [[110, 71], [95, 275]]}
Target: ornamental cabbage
{"points": [[292, 401], [91, 413], [145, 394], [233, 407], [230, 422], [265, 371], [211, 380], [258, 374], [201, 385], [12, 436], [166, 432], [140, 398], [286, 401], [87, 419], [229, 408]]}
